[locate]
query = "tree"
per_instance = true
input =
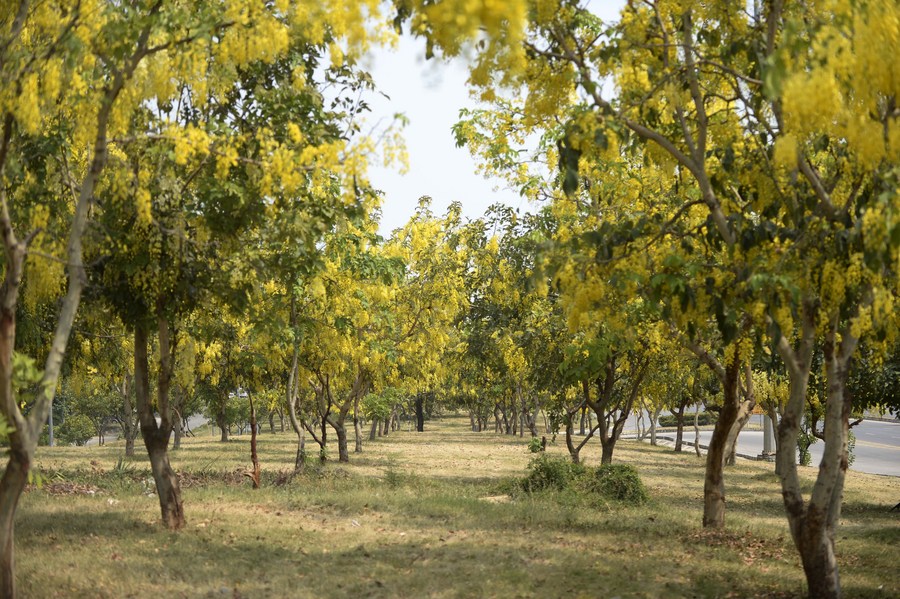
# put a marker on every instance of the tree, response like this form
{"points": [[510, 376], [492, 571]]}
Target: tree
{"points": [[80, 59], [799, 200]]}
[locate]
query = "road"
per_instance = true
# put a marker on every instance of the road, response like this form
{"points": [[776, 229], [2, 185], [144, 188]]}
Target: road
{"points": [[877, 448]]}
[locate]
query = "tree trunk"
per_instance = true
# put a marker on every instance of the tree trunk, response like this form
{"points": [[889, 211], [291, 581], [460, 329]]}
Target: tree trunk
{"points": [[714, 480], [357, 427], [606, 453], [420, 412], [813, 523], [697, 431], [373, 431], [222, 423], [653, 424], [745, 410], [679, 424], [272, 422], [300, 458], [772, 412], [156, 436], [176, 443], [574, 450], [11, 486], [341, 432], [255, 473], [167, 487]]}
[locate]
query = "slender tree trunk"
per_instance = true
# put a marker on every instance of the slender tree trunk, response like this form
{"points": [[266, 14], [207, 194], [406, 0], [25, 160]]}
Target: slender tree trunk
{"points": [[156, 436], [574, 450], [654, 424], [357, 429], [420, 412], [129, 426], [341, 432], [222, 423], [745, 410], [11, 486], [772, 412], [373, 431], [255, 473], [697, 431], [813, 523], [714, 481], [176, 443], [679, 424], [272, 422]]}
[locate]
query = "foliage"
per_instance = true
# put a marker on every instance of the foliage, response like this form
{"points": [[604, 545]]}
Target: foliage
{"points": [[549, 473], [77, 429], [619, 482], [535, 445], [5, 430], [704, 419]]}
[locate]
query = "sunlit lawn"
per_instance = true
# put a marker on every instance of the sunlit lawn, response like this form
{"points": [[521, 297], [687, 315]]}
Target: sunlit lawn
{"points": [[424, 515]]}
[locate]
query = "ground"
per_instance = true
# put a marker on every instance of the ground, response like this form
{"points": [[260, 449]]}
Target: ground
{"points": [[425, 515]]}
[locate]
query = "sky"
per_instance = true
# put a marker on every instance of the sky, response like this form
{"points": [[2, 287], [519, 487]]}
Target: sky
{"points": [[430, 94]]}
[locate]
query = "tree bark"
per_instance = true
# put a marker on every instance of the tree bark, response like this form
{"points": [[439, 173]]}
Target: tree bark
{"points": [[156, 436], [745, 410], [813, 523], [11, 486], [222, 423], [23, 440], [679, 424], [357, 429], [697, 431], [574, 450], [176, 443], [420, 412], [653, 425], [255, 473], [341, 432], [714, 480]]}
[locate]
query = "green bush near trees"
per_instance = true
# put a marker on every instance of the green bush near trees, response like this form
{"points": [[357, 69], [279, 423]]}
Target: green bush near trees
{"points": [[76, 430], [704, 419], [618, 482], [547, 473]]}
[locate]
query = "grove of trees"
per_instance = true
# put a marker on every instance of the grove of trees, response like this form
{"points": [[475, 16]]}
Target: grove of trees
{"points": [[189, 226]]}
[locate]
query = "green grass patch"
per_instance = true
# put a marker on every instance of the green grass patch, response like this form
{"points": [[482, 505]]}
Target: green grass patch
{"points": [[428, 515]]}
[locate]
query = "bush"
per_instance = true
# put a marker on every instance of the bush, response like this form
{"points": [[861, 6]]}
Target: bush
{"points": [[535, 445], [704, 419], [619, 482], [547, 473], [77, 429]]}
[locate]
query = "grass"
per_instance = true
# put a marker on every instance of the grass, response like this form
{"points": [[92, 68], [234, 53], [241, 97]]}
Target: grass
{"points": [[425, 515]]}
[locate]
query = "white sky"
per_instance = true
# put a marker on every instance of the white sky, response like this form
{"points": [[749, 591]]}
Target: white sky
{"points": [[430, 94]]}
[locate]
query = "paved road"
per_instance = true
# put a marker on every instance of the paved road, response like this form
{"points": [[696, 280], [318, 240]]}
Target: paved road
{"points": [[877, 448]]}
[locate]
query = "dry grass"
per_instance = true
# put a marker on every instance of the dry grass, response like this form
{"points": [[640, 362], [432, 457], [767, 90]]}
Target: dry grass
{"points": [[421, 515]]}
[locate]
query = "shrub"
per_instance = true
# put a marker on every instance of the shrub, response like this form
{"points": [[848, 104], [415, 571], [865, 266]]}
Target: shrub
{"points": [[619, 482], [77, 429], [535, 445], [547, 473], [704, 419]]}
